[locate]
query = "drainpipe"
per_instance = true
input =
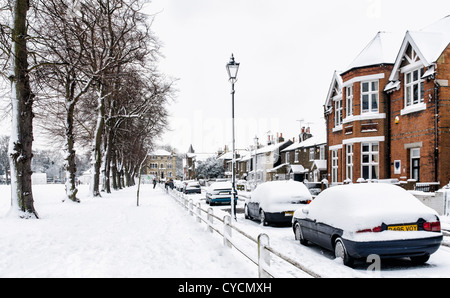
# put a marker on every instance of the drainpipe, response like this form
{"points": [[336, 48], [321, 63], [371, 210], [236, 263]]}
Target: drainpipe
{"points": [[436, 135]]}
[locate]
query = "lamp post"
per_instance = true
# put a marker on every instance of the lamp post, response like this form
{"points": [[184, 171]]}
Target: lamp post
{"points": [[232, 69]]}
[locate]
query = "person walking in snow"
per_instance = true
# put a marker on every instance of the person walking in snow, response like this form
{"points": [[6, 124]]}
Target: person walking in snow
{"points": [[154, 183]]}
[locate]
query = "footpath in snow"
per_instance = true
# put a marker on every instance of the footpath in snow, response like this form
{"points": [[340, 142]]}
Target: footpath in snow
{"points": [[112, 237]]}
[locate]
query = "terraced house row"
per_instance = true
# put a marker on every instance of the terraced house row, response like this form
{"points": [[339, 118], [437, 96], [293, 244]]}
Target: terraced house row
{"points": [[388, 114]]}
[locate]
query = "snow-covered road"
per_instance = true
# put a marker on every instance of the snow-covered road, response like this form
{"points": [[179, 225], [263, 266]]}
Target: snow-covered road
{"points": [[323, 262]]}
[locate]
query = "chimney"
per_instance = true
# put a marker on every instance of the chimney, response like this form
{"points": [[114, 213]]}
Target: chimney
{"points": [[281, 139]]}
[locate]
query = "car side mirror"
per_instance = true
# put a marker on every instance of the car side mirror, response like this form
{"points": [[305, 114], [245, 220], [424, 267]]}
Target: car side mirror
{"points": [[305, 211]]}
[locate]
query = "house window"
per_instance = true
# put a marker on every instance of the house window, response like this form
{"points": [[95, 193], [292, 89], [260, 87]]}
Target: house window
{"points": [[349, 101], [338, 112], [287, 157], [415, 163], [311, 154], [349, 159], [369, 160], [369, 96], [414, 89], [334, 166], [296, 156], [322, 153]]}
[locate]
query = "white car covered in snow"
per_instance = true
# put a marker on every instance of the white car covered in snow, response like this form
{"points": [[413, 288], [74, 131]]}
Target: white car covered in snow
{"points": [[276, 201], [219, 193], [358, 220]]}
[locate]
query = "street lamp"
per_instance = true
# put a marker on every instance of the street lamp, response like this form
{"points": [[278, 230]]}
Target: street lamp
{"points": [[232, 69]]}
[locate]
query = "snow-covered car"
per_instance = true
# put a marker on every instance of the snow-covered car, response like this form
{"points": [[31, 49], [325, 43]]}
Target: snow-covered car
{"points": [[219, 193], [276, 201], [358, 220], [192, 187], [178, 184]]}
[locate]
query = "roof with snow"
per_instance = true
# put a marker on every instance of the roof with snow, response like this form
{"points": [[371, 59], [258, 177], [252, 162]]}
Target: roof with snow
{"points": [[382, 49], [160, 152], [313, 141], [428, 44]]}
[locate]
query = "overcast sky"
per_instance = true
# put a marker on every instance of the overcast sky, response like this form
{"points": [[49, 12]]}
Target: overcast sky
{"points": [[288, 50]]}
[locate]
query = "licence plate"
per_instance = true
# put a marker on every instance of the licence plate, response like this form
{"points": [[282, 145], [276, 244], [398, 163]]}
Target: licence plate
{"points": [[289, 213], [403, 228]]}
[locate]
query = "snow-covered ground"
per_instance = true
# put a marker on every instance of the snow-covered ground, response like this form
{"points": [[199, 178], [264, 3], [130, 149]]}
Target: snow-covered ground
{"points": [[112, 237]]}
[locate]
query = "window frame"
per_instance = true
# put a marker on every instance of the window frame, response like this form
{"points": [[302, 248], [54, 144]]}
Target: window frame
{"points": [[409, 86], [349, 101], [370, 94], [371, 163]]}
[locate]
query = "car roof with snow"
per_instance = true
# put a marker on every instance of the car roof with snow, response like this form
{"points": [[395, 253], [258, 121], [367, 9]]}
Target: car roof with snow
{"points": [[281, 191]]}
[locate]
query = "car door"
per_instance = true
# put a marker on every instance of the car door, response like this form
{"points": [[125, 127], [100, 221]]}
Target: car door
{"points": [[308, 226]]}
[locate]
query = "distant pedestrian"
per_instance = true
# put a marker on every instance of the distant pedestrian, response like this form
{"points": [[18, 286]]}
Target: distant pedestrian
{"points": [[154, 183]]}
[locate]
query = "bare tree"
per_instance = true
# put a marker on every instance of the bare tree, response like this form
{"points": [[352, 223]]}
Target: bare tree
{"points": [[22, 98]]}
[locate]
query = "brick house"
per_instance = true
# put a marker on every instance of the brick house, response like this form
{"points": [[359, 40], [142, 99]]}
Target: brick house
{"points": [[357, 114], [420, 105], [380, 112], [306, 159]]}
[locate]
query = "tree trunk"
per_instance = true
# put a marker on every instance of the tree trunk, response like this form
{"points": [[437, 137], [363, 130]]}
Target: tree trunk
{"points": [[70, 164], [97, 144], [21, 141]]}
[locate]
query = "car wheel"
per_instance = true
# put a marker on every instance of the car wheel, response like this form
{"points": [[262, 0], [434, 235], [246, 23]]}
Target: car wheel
{"points": [[246, 214], [341, 252], [420, 260], [262, 217], [299, 234]]}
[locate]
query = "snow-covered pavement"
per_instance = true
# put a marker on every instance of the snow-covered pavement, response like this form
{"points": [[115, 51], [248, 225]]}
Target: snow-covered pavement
{"points": [[111, 237]]}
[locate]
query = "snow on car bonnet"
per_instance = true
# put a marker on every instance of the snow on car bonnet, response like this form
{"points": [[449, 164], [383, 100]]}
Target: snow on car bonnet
{"points": [[359, 206], [281, 192]]}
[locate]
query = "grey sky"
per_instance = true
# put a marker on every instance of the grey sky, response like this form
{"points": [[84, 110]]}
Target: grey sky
{"points": [[288, 50]]}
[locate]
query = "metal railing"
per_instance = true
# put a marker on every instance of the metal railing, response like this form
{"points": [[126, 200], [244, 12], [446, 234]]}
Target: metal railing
{"points": [[261, 257]]}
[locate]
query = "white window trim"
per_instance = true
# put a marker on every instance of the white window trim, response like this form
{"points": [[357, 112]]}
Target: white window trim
{"points": [[334, 167], [349, 165], [370, 93], [363, 140], [338, 121], [419, 82], [363, 78], [413, 108], [365, 116], [349, 101], [370, 163], [411, 157]]}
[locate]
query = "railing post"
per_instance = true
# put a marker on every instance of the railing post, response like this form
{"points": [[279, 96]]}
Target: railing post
{"points": [[210, 219], [199, 213], [191, 207], [263, 256], [227, 231]]}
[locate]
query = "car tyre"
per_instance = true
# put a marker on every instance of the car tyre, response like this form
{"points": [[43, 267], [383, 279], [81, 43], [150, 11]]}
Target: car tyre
{"points": [[246, 213], [341, 252], [420, 260], [299, 234], [262, 217]]}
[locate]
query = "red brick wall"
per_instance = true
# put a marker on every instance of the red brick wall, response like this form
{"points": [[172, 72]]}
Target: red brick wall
{"points": [[420, 126], [381, 125], [443, 73]]}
